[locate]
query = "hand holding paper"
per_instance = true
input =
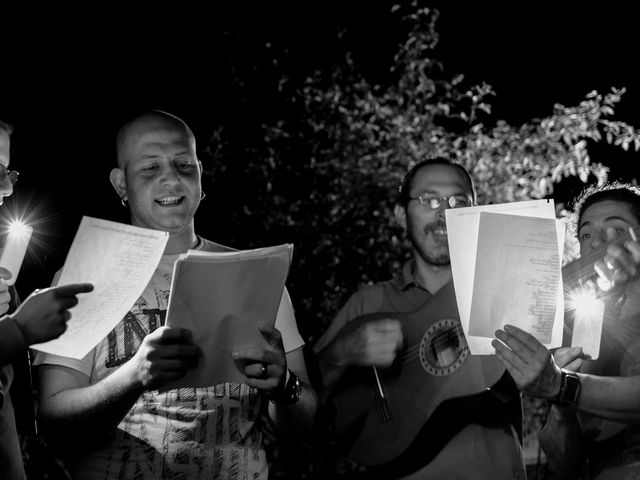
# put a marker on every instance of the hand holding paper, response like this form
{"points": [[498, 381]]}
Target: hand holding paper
{"points": [[222, 297], [166, 354], [265, 368], [118, 260], [506, 269], [531, 365]]}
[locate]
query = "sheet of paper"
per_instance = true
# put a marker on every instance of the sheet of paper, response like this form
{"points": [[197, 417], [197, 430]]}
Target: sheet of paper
{"points": [[119, 261], [462, 230], [517, 277], [221, 298]]}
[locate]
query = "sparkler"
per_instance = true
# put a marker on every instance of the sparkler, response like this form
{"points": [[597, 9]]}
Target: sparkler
{"points": [[15, 248]]}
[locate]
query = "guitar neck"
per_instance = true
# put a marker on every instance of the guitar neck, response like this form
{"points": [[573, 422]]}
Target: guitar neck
{"points": [[581, 270]]}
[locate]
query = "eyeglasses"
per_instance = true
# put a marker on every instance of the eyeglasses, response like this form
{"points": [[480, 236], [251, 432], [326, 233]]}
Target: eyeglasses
{"points": [[434, 202], [12, 174]]}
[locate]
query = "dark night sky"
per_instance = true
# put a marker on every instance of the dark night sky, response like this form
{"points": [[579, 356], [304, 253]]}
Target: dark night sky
{"points": [[72, 77]]}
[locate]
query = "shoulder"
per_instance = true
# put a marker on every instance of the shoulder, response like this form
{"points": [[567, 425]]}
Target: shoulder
{"points": [[367, 299], [209, 246]]}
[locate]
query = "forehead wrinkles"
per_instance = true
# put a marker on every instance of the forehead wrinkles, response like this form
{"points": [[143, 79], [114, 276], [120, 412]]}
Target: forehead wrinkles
{"points": [[606, 212], [139, 144]]}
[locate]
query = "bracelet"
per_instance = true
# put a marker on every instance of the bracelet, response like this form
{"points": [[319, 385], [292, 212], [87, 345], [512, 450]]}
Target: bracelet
{"points": [[291, 393]]}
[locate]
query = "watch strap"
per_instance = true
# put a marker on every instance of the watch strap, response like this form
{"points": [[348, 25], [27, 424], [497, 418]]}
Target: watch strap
{"points": [[291, 392], [570, 389]]}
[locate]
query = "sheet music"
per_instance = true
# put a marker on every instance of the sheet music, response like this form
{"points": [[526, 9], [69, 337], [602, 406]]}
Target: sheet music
{"points": [[462, 229], [119, 261], [517, 276], [221, 297]]}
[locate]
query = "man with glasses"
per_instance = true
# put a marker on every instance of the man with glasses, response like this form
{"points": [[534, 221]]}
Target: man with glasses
{"points": [[488, 445], [42, 317]]}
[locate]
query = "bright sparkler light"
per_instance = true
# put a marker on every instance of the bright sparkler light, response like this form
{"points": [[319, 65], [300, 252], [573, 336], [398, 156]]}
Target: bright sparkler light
{"points": [[15, 248], [19, 229], [585, 303]]}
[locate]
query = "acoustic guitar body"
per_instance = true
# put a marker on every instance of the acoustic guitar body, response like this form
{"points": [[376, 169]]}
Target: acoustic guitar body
{"points": [[433, 366]]}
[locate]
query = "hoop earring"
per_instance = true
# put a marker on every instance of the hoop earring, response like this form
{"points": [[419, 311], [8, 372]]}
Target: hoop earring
{"points": [[124, 202], [204, 194]]}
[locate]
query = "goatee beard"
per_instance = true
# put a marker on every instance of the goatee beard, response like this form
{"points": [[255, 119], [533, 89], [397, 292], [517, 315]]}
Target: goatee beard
{"points": [[439, 259]]}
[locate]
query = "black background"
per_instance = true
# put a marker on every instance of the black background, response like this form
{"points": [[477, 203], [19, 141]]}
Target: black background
{"points": [[70, 78]]}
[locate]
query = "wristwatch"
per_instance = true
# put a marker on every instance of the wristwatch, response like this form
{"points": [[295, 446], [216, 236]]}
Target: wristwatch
{"points": [[570, 388], [291, 392]]}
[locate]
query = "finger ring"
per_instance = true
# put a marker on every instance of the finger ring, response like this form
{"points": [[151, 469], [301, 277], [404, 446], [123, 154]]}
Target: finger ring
{"points": [[263, 372]]}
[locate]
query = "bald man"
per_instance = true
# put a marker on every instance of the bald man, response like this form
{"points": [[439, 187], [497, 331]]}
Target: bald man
{"points": [[109, 405]]}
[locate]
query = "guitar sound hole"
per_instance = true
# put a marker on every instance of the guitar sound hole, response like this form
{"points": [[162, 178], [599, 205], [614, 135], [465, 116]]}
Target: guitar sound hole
{"points": [[443, 348]]}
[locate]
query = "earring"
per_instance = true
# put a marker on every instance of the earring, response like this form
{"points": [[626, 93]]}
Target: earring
{"points": [[124, 202], [203, 195]]}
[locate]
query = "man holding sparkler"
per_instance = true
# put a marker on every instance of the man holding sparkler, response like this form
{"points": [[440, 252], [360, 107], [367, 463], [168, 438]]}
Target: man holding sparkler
{"points": [[43, 316], [594, 420]]}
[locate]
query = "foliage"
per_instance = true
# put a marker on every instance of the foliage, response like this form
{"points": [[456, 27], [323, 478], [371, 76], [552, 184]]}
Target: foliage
{"points": [[325, 171]]}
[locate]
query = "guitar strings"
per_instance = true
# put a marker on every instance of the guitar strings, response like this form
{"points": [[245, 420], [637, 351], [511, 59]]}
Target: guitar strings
{"points": [[412, 352]]}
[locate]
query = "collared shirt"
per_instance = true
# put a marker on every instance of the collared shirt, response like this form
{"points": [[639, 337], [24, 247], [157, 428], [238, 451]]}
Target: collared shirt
{"points": [[403, 293], [476, 451]]}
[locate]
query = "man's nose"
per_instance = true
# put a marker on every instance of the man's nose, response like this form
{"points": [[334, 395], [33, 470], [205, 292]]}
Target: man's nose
{"points": [[6, 188], [169, 174], [599, 239]]}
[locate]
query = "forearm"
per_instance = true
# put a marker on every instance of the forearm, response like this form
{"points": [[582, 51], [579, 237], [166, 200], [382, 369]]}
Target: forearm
{"points": [[613, 398], [562, 441], [12, 341], [331, 368], [80, 413]]}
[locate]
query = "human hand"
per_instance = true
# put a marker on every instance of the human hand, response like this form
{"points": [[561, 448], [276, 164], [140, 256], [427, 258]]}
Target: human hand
{"points": [[621, 262], [529, 362], [569, 358], [374, 343], [5, 297], [265, 368], [165, 354], [44, 314]]}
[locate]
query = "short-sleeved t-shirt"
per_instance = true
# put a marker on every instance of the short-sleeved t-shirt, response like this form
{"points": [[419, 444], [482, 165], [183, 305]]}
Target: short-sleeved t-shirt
{"points": [[486, 452], [186, 433]]}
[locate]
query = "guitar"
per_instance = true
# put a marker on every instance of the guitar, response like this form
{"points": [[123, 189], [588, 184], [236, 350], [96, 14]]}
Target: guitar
{"points": [[379, 413]]}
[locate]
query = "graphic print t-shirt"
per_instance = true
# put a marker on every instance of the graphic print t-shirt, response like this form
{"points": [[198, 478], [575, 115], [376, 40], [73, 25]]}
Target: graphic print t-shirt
{"points": [[187, 433]]}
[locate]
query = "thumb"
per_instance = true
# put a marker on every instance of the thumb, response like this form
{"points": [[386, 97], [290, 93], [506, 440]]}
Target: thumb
{"points": [[270, 333], [5, 274]]}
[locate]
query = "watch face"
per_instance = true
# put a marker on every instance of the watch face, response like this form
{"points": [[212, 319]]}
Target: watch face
{"points": [[570, 389], [291, 393]]}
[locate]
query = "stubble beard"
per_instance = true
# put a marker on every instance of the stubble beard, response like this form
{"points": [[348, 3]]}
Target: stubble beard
{"points": [[439, 256]]}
